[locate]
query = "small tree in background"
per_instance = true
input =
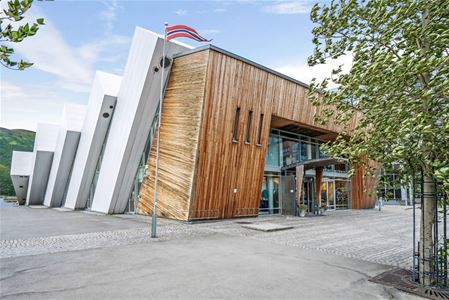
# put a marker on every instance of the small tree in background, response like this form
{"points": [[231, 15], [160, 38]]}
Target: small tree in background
{"points": [[398, 87], [11, 33]]}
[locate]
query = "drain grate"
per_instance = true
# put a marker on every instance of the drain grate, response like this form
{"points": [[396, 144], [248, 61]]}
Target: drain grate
{"points": [[402, 280], [437, 294], [243, 222]]}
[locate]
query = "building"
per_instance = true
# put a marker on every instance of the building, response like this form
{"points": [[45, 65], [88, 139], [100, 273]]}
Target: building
{"points": [[237, 139], [21, 168]]}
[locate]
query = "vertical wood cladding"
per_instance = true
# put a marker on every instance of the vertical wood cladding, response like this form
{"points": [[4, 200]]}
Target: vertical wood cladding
{"points": [[181, 119], [363, 189], [204, 174]]}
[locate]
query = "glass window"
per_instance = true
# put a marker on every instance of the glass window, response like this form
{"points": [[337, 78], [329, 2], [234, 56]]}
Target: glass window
{"points": [[314, 151], [235, 132], [272, 158], [303, 146], [259, 133], [290, 151], [248, 127]]}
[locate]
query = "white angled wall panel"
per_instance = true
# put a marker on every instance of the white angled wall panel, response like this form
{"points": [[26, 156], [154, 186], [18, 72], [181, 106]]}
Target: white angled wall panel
{"points": [[67, 144], [44, 147], [138, 100], [21, 167], [101, 106]]}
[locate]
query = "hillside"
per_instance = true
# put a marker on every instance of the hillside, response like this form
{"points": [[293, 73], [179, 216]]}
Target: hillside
{"points": [[15, 139]]}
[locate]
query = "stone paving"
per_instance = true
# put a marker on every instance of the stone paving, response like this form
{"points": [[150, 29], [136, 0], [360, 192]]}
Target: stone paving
{"points": [[383, 237]]}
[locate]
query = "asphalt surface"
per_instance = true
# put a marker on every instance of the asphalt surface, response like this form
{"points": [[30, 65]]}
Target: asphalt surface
{"points": [[49, 254]]}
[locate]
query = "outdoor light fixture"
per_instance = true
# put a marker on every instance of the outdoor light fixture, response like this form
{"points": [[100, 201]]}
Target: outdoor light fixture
{"points": [[165, 62]]}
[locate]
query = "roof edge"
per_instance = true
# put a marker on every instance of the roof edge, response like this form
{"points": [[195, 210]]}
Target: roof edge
{"points": [[241, 58]]}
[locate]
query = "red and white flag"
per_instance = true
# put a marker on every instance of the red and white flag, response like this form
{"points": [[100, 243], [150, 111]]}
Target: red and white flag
{"points": [[183, 31]]}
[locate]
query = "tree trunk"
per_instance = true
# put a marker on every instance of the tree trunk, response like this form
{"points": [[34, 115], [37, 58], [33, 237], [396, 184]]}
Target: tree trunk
{"points": [[426, 236]]}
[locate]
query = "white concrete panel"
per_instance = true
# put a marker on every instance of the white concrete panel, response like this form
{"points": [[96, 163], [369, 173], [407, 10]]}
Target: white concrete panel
{"points": [[46, 137], [138, 99], [102, 101], [64, 155], [44, 147], [21, 163], [20, 184], [21, 167]]}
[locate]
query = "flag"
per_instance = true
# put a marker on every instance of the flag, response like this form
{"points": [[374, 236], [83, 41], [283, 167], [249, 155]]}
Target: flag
{"points": [[183, 31]]}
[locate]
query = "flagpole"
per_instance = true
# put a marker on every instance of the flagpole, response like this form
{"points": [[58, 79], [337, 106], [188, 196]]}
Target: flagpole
{"points": [[156, 177]]}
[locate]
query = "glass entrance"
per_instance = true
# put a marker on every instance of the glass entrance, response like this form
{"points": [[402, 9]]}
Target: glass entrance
{"points": [[269, 202], [288, 194], [308, 193], [328, 193], [342, 188]]}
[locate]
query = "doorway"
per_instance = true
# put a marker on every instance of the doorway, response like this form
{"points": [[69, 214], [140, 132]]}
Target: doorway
{"points": [[308, 194], [269, 202], [328, 193]]}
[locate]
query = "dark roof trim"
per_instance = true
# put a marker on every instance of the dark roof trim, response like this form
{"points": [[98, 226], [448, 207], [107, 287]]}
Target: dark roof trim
{"points": [[225, 52]]}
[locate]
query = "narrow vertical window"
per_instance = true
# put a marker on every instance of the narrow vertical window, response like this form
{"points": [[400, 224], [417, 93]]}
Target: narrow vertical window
{"points": [[235, 132], [248, 127], [259, 131]]}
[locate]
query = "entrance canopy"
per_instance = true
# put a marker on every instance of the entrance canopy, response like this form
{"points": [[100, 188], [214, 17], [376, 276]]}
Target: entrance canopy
{"points": [[315, 163]]}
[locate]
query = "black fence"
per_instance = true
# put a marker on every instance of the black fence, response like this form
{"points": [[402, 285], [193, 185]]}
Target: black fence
{"points": [[436, 259]]}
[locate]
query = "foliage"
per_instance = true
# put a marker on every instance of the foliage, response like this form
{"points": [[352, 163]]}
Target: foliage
{"points": [[398, 86], [10, 34], [16, 139]]}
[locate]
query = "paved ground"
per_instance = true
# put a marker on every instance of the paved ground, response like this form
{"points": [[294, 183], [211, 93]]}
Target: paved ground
{"points": [[95, 256]]}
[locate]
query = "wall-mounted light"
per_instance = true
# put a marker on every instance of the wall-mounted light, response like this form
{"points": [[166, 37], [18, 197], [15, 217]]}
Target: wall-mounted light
{"points": [[165, 62]]}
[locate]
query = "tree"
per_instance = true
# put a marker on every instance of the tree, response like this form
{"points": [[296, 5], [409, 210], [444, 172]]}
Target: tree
{"points": [[397, 88], [10, 35]]}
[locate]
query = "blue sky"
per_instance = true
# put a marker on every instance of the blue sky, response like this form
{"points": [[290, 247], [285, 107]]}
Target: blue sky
{"points": [[83, 36]]}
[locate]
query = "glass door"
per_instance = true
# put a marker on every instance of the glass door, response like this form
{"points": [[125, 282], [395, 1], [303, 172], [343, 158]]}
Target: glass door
{"points": [[331, 195], [288, 192], [269, 199], [308, 194], [342, 194]]}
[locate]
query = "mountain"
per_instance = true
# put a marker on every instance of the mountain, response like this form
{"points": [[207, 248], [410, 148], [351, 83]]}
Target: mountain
{"points": [[12, 139]]}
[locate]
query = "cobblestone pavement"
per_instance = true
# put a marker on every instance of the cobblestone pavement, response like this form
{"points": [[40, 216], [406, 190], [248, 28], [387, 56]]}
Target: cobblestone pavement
{"points": [[381, 237]]}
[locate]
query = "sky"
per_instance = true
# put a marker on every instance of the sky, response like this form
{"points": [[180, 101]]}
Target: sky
{"points": [[80, 37]]}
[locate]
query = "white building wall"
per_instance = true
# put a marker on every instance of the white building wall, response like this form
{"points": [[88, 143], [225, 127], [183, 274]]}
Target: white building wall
{"points": [[64, 155], [44, 147], [138, 99], [102, 101], [21, 167]]}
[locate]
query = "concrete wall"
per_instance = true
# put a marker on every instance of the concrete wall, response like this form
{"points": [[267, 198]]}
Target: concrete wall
{"points": [[138, 100], [64, 155], [21, 167], [44, 147], [101, 106]]}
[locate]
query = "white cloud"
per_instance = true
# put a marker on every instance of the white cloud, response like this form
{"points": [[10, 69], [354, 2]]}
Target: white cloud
{"points": [[109, 15], [288, 8], [74, 67], [24, 105], [181, 12], [219, 10], [304, 73]]}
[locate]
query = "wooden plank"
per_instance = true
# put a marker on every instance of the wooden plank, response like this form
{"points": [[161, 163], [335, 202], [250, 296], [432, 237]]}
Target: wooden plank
{"points": [[181, 118]]}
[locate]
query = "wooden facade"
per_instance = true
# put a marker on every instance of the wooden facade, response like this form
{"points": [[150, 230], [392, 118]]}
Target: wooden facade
{"points": [[207, 169]]}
